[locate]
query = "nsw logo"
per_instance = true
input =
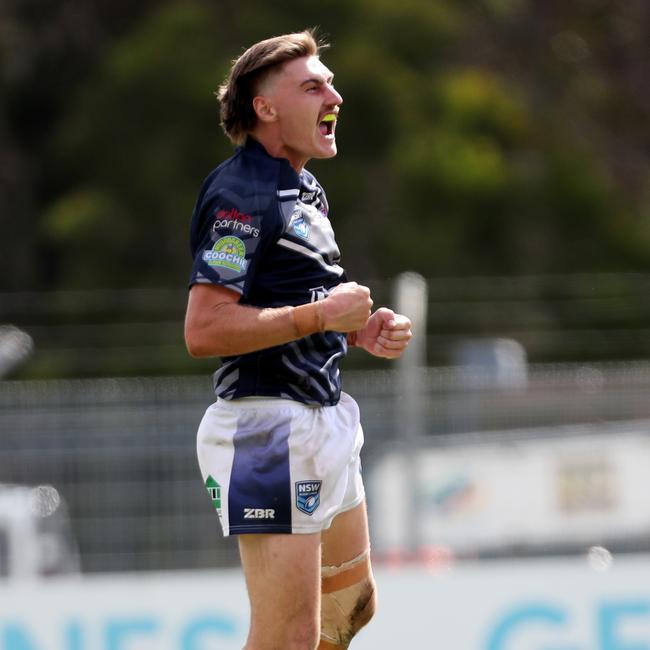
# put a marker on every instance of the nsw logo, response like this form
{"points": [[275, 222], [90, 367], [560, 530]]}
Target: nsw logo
{"points": [[308, 496], [301, 227]]}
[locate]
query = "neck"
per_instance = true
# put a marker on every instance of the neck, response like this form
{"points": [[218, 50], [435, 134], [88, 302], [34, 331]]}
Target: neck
{"points": [[276, 148]]}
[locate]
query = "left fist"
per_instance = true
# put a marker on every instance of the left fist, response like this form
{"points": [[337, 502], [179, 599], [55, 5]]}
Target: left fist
{"points": [[386, 334]]}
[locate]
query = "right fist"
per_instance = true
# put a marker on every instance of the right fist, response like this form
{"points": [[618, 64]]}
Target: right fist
{"points": [[347, 308]]}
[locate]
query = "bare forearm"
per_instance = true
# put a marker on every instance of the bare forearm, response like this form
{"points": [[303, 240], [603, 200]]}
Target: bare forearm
{"points": [[230, 328], [217, 325]]}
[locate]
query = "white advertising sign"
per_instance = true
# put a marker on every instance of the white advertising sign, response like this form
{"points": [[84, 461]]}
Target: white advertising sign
{"points": [[186, 611], [540, 605], [577, 489]]}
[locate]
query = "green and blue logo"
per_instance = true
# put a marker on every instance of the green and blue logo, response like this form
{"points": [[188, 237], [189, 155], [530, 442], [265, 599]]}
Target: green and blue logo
{"points": [[228, 252]]}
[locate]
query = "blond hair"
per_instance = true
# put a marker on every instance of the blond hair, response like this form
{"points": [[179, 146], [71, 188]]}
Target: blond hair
{"points": [[247, 73]]}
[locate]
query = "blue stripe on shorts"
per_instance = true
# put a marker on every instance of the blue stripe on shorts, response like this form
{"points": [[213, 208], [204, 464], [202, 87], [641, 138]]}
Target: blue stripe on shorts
{"points": [[259, 495]]}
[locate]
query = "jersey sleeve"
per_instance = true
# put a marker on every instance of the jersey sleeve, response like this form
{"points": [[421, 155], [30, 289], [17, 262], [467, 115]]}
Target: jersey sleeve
{"points": [[226, 238]]}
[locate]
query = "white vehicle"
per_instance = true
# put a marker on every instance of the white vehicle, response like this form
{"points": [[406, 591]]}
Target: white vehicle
{"points": [[35, 535]]}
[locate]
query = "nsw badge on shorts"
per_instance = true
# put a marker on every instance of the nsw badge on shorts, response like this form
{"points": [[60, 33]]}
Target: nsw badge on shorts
{"points": [[307, 496]]}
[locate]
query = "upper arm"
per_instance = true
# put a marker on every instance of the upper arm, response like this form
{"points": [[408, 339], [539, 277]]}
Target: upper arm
{"points": [[226, 234], [206, 297], [231, 229], [203, 306]]}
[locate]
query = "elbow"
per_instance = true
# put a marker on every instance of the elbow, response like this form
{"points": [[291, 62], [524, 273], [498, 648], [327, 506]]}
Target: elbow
{"points": [[195, 349], [200, 347], [197, 345]]}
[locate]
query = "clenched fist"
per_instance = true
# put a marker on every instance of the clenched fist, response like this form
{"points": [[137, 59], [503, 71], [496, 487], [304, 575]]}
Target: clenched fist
{"points": [[347, 308], [386, 334]]}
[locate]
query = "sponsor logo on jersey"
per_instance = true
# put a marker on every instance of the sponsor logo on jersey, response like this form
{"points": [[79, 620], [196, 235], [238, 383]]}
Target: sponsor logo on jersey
{"points": [[307, 196], [259, 513], [301, 227], [236, 221], [308, 496], [319, 293], [233, 214], [228, 252], [214, 490]]}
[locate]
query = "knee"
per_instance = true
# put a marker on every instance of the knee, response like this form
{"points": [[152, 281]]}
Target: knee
{"points": [[297, 632], [366, 606], [346, 611], [303, 635]]}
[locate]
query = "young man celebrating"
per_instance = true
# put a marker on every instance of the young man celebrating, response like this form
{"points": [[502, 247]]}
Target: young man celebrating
{"points": [[279, 450]]}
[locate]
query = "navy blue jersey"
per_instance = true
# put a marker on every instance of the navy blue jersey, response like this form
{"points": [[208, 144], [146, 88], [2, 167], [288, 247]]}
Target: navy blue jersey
{"points": [[262, 229]]}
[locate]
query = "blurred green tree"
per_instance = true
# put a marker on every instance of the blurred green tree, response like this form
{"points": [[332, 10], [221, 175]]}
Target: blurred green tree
{"points": [[47, 50], [503, 136]]}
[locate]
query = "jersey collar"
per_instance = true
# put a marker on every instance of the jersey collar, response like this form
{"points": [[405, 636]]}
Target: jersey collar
{"points": [[289, 177]]}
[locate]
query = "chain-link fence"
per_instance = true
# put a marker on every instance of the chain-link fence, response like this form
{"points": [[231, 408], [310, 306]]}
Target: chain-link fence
{"points": [[135, 332], [121, 452]]}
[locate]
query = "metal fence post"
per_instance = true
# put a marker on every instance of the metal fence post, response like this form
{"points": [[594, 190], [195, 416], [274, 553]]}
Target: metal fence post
{"points": [[410, 296]]}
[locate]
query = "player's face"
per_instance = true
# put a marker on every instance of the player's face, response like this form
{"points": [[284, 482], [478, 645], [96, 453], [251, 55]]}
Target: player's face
{"points": [[306, 105]]}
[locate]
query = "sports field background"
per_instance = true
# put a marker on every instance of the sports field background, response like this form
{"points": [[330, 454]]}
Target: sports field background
{"points": [[121, 450], [497, 148]]}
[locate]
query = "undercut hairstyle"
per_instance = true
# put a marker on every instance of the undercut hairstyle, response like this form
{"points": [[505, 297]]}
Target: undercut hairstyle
{"points": [[249, 71]]}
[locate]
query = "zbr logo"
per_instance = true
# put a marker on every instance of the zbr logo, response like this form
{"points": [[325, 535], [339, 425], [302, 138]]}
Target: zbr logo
{"points": [[228, 252], [308, 496], [301, 227]]}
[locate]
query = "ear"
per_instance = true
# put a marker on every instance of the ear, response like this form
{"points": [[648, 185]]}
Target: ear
{"points": [[264, 109]]}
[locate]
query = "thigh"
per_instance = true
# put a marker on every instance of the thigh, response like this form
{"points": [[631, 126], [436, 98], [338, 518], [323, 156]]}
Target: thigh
{"points": [[347, 537], [283, 579]]}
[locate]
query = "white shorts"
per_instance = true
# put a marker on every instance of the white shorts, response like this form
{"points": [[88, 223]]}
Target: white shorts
{"points": [[279, 466]]}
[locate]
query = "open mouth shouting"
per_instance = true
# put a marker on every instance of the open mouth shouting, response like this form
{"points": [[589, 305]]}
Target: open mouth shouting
{"points": [[327, 126]]}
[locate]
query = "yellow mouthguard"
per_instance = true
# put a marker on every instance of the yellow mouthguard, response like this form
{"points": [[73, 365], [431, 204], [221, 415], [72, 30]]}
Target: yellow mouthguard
{"points": [[329, 118]]}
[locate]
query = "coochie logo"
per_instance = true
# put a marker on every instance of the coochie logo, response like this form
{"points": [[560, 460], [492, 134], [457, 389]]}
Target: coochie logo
{"points": [[228, 252], [308, 496]]}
